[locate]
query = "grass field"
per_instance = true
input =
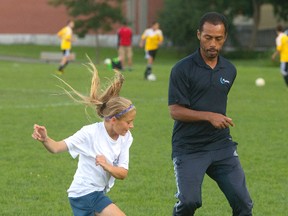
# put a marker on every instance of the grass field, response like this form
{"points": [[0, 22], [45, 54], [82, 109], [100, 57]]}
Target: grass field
{"points": [[34, 182]]}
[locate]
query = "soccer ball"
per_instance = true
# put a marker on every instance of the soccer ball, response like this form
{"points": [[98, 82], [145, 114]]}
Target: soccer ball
{"points": [[260, 82], [107, 61], [151, 77]]}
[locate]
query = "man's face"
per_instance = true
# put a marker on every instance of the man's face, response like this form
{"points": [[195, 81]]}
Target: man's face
{"points": [[211, 40]]}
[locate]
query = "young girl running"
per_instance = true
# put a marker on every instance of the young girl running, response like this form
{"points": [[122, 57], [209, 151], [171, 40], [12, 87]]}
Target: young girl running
{"points": [[102, 147]]}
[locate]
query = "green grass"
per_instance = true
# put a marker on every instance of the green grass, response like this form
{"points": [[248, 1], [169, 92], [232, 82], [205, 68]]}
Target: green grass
{"points": [[34, 182]]}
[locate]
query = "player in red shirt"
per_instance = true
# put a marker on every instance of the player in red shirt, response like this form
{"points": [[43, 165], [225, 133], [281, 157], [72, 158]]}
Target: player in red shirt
{"points": [[125, 35]]}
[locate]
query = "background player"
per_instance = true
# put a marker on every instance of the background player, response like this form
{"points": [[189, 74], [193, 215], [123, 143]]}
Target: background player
{"points": [[66, 36], [125, 51], [153, 38]]}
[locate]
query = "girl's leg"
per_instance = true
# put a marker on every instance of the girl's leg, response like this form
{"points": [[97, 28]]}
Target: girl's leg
{"points": [[111, 210]]}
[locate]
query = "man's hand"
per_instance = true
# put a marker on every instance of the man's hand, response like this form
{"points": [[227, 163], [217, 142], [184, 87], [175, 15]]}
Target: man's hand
{"points": [[220, 121]]}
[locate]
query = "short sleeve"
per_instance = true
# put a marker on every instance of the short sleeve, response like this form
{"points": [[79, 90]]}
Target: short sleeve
{"points": [[77, 143], [123, 160], [178, 90]]}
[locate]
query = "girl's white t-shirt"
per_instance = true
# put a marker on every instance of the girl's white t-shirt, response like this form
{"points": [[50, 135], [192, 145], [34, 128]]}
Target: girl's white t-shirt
{"points": [[89, 141]]}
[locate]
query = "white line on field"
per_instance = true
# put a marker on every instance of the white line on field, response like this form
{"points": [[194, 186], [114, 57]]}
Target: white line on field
{"points": [[31, 90], [37, 106]]}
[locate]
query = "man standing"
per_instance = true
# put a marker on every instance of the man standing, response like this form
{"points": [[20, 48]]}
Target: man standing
{"points": [[201, 141], [153, 38], [125, 51], [66, 36]]}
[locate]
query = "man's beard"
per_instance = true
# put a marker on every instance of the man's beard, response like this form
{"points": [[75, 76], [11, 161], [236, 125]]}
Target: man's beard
{"points": [[211, 53]]}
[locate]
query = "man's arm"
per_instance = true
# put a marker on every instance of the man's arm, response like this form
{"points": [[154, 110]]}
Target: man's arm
{"points": [[181, 113]]}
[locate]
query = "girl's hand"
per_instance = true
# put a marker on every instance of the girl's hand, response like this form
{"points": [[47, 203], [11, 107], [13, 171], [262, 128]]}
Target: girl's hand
{"points": [[101, 160], [40, 133]]}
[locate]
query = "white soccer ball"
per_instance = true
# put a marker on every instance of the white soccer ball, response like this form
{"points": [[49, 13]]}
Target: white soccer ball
{"points": [[260, 82], [107, 61], [151, 77]]}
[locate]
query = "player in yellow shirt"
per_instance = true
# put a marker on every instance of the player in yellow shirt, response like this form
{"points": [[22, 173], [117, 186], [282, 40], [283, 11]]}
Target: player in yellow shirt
{"points": [[153, 38], [280, 33], [66, 36], [282, 48]]}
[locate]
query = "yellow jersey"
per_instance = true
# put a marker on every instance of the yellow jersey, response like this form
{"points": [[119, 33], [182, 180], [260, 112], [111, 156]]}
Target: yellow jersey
{"points": [[282, 48], [66, 37], [153, 38]]}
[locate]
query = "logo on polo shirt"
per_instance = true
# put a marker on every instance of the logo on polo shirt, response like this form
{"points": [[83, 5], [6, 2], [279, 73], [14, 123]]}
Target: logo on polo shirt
{"points": [[224, 81]]}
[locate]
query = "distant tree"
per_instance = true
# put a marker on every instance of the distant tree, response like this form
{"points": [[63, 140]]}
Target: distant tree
{"points": [[92, 15], [179, 19], [252, 8], [280, 8]]}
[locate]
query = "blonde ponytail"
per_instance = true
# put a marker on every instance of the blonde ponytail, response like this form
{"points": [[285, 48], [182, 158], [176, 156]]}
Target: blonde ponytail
{"points": [[107, 102]]}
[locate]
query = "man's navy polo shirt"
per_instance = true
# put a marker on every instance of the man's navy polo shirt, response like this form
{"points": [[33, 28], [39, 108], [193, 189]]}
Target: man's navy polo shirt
{"points": [[197, 86]]}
